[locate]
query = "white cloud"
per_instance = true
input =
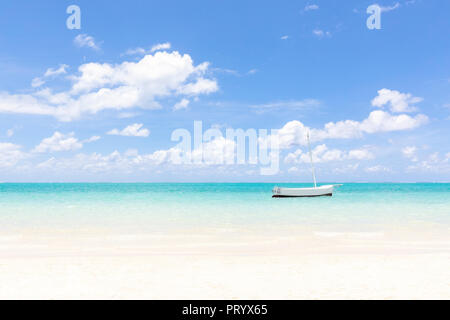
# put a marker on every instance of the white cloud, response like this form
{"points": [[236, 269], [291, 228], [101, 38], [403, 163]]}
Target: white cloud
{"points": [[397, 101], [160, 46], [84, 40], [92, 139], [219, 151], [133, 130], [201, 86], [377, 121], [142, 51], [113, 162], [135, 51], [321, 33], [293, 170], [10, 154], [410, 153], [59, 142], [295, 157], [23, 103], [390, 8], [346, 169], [183, 104], [433, 163], [62, 69], [294, 132], [377, 168], [380, 121], [124, 86], [318, 32], [311, 7], [39, 81], [293, 104], [227, 71], [284, 37], [322, 153], [360, 154], [127, 115]]}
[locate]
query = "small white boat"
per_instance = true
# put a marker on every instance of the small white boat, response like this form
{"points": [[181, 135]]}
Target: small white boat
{"points": [[326, 190], [303, 192]]}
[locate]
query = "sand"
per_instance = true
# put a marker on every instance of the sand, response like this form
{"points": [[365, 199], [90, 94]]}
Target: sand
{"points": [[225, 264]]}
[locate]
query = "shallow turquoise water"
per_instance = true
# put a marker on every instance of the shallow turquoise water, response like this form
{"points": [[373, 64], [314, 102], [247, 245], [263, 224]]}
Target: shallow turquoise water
{"points": [[167, 205]]}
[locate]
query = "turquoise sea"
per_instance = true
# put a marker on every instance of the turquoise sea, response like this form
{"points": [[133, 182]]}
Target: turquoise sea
{"points": [[149, 207]]}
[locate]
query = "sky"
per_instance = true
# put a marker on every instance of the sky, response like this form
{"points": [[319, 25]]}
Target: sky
{"points": [[101, 103]]}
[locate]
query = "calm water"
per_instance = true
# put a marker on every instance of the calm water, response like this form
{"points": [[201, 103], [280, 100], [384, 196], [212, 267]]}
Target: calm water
{"points": [[157, 206]]}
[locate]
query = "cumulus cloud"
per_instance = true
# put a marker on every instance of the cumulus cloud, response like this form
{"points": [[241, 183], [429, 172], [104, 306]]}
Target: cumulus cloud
{"points": [[115, 161], [10, 154], [360, 154], [160, 46], [183, 104], [62, 142], [396, 101], [59, 142], [201, 86], [434, 162], [84, 40], [294, 132], [322, 153], [51, 72], [219, 151], [216, 152], [133, 130], [127, 85]]}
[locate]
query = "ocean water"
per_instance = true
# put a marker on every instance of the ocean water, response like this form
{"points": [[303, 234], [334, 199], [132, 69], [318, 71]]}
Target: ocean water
{"points": [[141, 207]]}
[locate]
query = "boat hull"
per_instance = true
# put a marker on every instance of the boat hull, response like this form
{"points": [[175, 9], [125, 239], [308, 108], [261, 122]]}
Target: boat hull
{"points": [[312, 196], [322, 191]]}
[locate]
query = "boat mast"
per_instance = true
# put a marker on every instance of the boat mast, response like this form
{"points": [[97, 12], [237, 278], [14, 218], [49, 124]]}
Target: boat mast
{"points": [[312, 163]]}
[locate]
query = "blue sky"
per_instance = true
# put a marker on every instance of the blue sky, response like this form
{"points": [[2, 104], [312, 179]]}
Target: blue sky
{"points": [[100, 103]]}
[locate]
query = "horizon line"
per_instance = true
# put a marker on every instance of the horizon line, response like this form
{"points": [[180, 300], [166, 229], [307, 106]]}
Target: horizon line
{"points": [[217, 182]]}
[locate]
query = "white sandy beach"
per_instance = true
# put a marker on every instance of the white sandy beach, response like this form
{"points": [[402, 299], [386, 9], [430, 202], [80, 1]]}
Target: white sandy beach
{"points": [[225, 264]]}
